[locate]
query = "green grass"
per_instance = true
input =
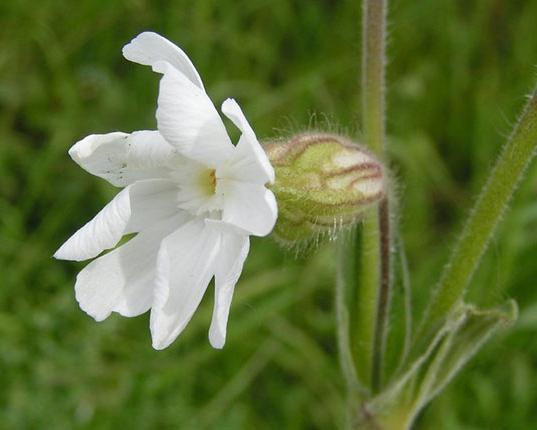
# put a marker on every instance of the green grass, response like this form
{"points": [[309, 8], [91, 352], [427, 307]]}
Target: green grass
{"points": [[457, 79]]}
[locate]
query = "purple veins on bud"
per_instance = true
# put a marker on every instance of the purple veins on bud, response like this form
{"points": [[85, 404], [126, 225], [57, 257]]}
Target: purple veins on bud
{"points": [[324, 183]]}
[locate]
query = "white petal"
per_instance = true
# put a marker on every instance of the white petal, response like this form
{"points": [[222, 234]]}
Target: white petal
{"points": [[249, 206], [103, 232], [249, 161], [123, 158], [188, 120], [147, 48], [185, 266], [141, 204], [195, 188], [123, 280], [152, 202], [229, 263]]}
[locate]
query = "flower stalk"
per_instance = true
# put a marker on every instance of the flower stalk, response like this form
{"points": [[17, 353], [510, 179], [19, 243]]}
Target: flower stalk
{"points": [[374, 279]]}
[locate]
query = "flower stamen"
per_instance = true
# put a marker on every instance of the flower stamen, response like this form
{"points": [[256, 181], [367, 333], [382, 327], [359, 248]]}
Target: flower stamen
{"points": [[208, 182]]}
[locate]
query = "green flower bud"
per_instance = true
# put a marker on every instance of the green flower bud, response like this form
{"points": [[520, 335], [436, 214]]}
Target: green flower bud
{"points": [[323, 182]]}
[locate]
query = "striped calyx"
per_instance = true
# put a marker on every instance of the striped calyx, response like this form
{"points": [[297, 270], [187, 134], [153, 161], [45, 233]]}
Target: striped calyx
{"points": [[323, 182]]}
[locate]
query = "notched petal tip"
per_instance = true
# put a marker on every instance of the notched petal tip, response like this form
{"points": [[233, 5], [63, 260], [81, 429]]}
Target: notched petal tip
{"points": [[121, 158], [132, 50], [85, 147], [149, 48]]}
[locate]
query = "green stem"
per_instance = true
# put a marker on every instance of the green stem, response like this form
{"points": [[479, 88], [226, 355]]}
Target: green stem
{"points": [[367, 297], [342, 320], [384, 295], [373, 74], [373, 298], [484, 218]]}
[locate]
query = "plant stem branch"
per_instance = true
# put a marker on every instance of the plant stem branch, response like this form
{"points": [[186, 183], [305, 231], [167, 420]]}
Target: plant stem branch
{"points": [[485, 217]]}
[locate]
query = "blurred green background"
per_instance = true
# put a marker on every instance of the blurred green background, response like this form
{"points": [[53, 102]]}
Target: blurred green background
{"points": [[458, 75]]}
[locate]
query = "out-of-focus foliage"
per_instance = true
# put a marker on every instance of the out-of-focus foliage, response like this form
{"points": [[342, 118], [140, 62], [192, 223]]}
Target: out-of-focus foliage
{"points": [[458, 74]]}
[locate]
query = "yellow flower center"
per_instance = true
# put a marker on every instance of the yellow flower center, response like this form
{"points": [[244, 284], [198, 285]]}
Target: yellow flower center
{"points": [[208, 181]]}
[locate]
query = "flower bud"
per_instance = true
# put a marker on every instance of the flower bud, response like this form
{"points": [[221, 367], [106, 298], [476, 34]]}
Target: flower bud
{"points": [[323, 182]]}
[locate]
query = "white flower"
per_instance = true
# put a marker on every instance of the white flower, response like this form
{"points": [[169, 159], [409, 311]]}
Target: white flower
{"points": [[192, 197]]}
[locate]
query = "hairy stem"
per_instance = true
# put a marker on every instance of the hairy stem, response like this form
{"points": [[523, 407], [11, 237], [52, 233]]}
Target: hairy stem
{"points": [[373, 74], [374, 294], [485, 216], [384, 295]]}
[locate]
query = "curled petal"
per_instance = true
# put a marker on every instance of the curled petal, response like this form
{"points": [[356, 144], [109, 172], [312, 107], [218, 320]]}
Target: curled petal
{"points": [[249, 161], [187, 119], [229, 263], [148, 48], [123, 158], [185, 266], [250, 207], [103, 232], [141, 204]]}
